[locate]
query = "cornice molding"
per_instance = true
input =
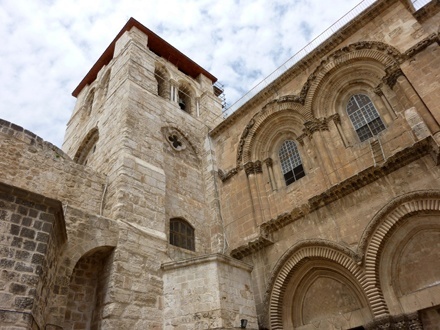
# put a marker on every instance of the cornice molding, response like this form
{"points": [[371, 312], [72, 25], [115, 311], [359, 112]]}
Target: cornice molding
{"points": [[421, 45], [251, 247], [229, 174]]}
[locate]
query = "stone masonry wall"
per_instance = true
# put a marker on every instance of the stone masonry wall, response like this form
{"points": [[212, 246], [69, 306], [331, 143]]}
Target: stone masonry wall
{"points": [[56, 175], [210, 292], [32, 234]]}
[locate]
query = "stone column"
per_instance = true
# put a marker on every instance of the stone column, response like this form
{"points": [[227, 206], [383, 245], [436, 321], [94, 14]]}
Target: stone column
{"points": [[269, 165], [314, 128], [378, 90], [273, 186], [174, 90], [197, 101], [253, 190], [395, 78], [337, 121], [261, 191]]}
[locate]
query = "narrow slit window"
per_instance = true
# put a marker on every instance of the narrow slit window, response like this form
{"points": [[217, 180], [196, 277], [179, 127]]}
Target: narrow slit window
{"points": [[364, 117], [291, 164]]}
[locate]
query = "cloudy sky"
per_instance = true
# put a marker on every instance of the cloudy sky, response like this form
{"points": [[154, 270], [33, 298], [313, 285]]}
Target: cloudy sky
{"points": [[49, 45]]}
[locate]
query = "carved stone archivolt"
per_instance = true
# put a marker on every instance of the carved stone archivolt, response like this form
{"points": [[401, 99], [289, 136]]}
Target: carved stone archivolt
{"points": [[393, 213], [386, 55], [293, 259]]}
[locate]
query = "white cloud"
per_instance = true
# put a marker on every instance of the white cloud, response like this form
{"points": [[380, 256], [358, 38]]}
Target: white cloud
{"points": [[48, 46]]}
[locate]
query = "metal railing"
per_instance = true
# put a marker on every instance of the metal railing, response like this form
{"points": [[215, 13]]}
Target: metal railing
{"points": [[420, 3], [307, 49]]}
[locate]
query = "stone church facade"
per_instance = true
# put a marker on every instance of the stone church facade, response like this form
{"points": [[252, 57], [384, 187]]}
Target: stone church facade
{"points": [[315, 205]]}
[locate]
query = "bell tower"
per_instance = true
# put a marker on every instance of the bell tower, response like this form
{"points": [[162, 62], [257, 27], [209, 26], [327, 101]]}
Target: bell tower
{"points": [[143, 116]]}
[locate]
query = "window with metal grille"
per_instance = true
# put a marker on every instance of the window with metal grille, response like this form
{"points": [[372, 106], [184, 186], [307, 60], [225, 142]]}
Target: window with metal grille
{"points": [[182, 234], [364, 117], [290, 160]]}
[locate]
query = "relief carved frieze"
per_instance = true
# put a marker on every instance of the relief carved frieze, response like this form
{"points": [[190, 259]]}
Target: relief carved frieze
{"points": [[251, 247], [268, 162], [402, 321], [378, 90], [392, 73], [229, 174], [253, 167], [421, 45], [336, 118]]}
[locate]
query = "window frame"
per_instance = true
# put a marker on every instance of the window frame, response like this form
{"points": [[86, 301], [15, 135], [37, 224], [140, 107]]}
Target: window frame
{"points": [[294, 173], [184, 236], [366, 112]]}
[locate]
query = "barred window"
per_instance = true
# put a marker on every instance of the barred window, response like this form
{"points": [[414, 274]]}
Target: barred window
{"points": [[364, 117], [182, 234], [291, 164]]}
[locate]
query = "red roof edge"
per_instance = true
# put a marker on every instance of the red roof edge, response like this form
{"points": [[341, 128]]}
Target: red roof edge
{"points": [[157, 45]]}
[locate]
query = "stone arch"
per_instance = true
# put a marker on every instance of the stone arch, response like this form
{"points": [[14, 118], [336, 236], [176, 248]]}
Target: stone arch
{"points": [[261, 128], [88, 103], [87, 289], [87, 146], [381, 226], [186, 97], [105, 81], [294, 259], [381, 54], [162, 77], [97, 234]]}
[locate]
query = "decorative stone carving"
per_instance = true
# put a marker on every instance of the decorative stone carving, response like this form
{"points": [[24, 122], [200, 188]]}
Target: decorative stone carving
{"points": [[335, 118], [251, 247], [253, 167], [316, 125], [226, 176], [378, 90], [268, 161], [393, 73], [402, 321], [293, 259], [421, 45]]}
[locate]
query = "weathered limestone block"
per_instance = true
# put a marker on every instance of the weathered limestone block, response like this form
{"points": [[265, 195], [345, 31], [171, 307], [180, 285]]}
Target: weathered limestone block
{"points": [[208, 292]]}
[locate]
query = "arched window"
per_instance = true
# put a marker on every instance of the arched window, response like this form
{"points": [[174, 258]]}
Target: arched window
{"points": [[182, 234], [105, 83], [290, 160], [185, 98], [88, 104], [87, 147], [364, 117], [163, 84]]}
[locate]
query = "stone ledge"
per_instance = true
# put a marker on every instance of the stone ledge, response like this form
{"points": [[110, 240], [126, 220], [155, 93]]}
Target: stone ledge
{"points": [[251, 247], [221, 258]]}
